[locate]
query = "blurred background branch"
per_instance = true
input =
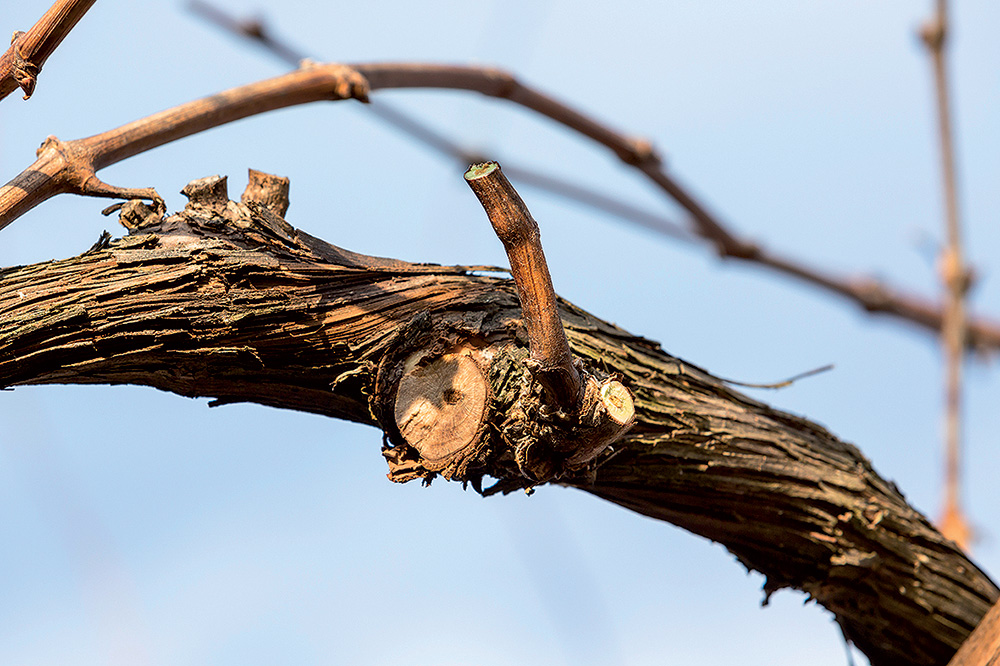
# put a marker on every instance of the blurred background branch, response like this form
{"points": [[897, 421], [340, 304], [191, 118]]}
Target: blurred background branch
{"points": [[956, 279]]}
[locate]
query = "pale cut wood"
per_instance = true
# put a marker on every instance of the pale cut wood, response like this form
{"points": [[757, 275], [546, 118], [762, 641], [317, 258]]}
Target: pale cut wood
{"points": [[440, 406], [982, 647], [617, 400], [608, 412]]}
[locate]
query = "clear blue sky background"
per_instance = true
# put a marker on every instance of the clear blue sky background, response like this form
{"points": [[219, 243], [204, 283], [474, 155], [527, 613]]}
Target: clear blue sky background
{"points": [[138, 527]]}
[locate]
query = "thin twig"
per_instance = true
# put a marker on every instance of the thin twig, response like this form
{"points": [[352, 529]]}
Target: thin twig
{"points": [[518, 232], [252, 28], [784, 383], [21, 63], [956, 280]]}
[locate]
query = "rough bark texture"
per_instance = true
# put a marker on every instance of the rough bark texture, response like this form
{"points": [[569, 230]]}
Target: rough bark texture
{"points": [[229, 301]]}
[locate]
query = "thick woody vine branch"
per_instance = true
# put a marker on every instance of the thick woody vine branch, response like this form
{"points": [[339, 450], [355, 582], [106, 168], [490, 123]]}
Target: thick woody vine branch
{"points": [[22, 62], [438, 358]]}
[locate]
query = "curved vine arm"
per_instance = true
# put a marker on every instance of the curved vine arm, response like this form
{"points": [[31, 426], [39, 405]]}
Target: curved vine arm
{"points": [[227, 300]]}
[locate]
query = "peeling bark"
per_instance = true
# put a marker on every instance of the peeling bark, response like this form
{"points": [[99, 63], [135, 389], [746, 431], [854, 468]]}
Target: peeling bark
{"points": [[229, 301]]}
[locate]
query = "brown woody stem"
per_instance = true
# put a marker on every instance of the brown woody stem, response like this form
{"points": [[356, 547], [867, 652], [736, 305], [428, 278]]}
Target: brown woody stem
{"points": [[442, 403], [518, 232], [269, 191], [70, 166], [22, 62]]}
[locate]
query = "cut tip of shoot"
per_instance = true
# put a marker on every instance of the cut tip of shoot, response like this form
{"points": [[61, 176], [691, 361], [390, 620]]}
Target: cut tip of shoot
{"points": [[479, 170]]}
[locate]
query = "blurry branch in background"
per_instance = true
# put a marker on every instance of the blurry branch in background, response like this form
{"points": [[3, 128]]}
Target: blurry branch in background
{"points": [[22, 62], [868, 293], [956, 278], [533, 178]]}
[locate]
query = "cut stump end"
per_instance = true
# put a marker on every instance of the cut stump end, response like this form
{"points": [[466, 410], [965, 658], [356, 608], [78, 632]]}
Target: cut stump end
{"points": [[440, 407]]}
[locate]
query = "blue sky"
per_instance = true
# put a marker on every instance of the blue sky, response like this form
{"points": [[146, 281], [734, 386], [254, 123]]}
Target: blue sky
{"points": [[143, 528]]}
